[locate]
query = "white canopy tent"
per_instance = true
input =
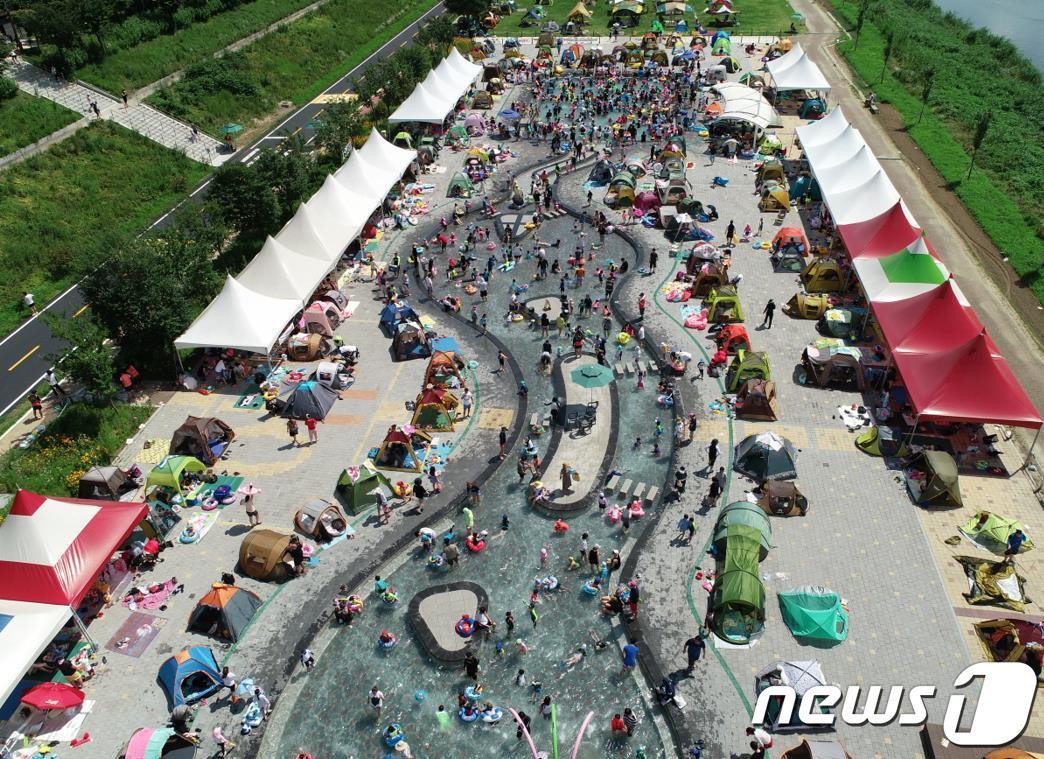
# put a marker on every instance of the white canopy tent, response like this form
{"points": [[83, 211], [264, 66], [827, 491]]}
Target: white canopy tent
{"points": [[240, 318], [337, 213], [279, 272], [391, 159], [823, 131], [435, 98], [26, 629], [794, 70], [845, 175], [742, 103], [847, 143], [301, 236]]}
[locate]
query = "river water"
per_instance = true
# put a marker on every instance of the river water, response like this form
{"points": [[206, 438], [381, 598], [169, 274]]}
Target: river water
{"points": [[1021, 22]]}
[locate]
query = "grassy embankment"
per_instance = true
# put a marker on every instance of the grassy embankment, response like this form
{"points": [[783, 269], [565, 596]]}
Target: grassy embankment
{"points": [[975, 72], [82, 437], [61, 212], [294, 63], [24, 119]]}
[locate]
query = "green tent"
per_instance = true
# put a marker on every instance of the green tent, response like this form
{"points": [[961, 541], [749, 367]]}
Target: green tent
{"points": [[403, 140], [460, 186], [167, 473], [746, 365], [722, 46], [458, 134], [357, 486], [931, 477], [765, 456], [738, 598], [814, 613], [657, 26], [723, 305], [990, 532], [882, 441], [748, 515]]}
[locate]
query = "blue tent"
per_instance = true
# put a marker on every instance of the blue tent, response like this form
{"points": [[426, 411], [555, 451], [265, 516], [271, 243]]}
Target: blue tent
{"points": [[189, 675], [719, 35], [394, 313]]}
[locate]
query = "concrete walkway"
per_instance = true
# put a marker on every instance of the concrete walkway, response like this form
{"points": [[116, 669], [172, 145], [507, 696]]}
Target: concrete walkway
{"points": [[137, 116]]}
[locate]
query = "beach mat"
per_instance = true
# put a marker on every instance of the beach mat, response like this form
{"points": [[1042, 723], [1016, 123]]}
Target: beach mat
{"points": [[251, 398], [224, 479], [135, 634]]}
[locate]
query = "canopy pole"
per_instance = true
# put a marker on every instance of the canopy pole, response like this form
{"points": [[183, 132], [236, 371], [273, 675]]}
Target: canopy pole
{"points": [[913, 431], [83, 631], [1029, 453]]}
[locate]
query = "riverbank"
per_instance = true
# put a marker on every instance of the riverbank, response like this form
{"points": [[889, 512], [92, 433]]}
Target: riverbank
{"points": [[1003, 190]]}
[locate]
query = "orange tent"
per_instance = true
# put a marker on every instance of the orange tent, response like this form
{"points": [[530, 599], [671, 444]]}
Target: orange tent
{"points": [[790, 236]]}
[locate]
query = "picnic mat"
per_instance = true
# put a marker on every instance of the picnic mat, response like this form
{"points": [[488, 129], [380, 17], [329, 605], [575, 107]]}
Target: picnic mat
{"points": [[225, 479], [251, 398], [135, 634], [154, 454]]}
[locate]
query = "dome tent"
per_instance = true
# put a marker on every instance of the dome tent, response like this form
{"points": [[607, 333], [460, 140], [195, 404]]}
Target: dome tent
{"points": [[756, 399], [190, 675], [765, 456], [799, 675], [435, 409], [990, 532], [443, 366], [205, 438], [309, 398], [938, 484], [158, 743], [357, 486], [167, 473], [105, 483], [814, 613], [394, 313], [224, 612], [403, 449], [782, 499]]}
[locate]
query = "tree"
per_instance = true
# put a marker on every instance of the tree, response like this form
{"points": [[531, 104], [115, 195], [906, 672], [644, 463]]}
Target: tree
{"points": [[56, 22], [860, 19], [980, 134], [926, 91], [467, 7], [151, 289], [437, 34], [92, 363], [341, 124], [96, 16], [889, 40], [241, 198]]}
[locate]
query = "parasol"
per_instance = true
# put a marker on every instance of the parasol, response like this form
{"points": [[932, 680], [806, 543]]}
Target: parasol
{"points": [[47, 696]]}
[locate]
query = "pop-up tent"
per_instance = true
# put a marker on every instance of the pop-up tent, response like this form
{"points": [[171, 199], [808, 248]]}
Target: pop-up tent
{"points": [[167, 473], [190, 675], [766, 456], [1013, 640], [309, 398], [224, 612], [990, 532], [823, 275], [460, 186], [261, 554], [817, 750], [723, 305], [358, 485], [814, 613], [993, 583], [445, 370], [206, 438], [435, 409], [105, 483], [409, 342], [738, 597], [782, 499], [321, 520], [394, 313], [746, 514], [158, 743], [932, 479], [403, 449], [799, 675], [756, 399], [746, 366]]}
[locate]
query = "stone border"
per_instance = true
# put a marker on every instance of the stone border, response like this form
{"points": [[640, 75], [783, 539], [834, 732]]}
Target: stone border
{"points": [[423, 631]]}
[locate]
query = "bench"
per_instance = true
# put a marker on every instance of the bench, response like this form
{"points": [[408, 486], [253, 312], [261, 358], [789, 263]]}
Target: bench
{"points": [[613, 482], [626, 487], [535, 419], [638, 490], [651, 495], [618, 369]]}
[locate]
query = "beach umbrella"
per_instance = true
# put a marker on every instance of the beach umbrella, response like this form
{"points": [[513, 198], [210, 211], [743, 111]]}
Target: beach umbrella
{"points": [[592, 375], [47, 696], [231, 129]]}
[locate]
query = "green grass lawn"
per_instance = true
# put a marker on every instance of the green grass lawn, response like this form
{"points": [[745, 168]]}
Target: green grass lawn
{"points": [[757, 17], [24, 119], [152, 60], [82, 437], [285, 65], [984, 193], [63, 211]]}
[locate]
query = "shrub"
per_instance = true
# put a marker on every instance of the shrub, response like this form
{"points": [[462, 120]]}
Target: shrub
{"points": [[8, 89]]}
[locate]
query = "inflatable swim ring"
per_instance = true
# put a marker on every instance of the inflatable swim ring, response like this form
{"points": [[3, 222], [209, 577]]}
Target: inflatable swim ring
{"points": [[561, 526], [475, 546], [517, 317], [420, 695], [470, 289], [209, 504], [492, 716], [613, 514], [307, 549], [189, 535], [623, 338], [355, 604], [590, 588], [393, 734], [636, 510], [402, 489], [465, 626], [466, 716], [435, 561], [548, 583], [390, 597], [473, 693], [507, 266], [387, 640]]}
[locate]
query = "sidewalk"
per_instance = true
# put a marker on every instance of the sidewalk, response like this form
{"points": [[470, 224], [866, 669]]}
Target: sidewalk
{"points": [[137, 116]]}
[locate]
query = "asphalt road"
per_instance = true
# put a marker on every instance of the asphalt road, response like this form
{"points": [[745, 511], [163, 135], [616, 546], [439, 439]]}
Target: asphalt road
{"points": [[24, 352]]}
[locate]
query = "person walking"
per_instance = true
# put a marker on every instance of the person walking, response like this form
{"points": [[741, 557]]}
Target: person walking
{"points": [[683, 527], [714, 493], [642, 303], [251, 506], [694, 647], [224, 744], [630, 721], [653, 257], [30, 302], [770, 309], [730, 233], [262, 699], [126, 99], [501, 360], [712, 454], [720, 477], [376, 699], [383, 507], [228, 680], [37, 403], [293, 431], [629, 657], [311, 424], [54, 384], [502, 438], [420, 493], [466, 399]]}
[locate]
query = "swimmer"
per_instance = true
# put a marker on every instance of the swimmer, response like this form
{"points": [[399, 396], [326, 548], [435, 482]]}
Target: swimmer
{"points": [[500, 649], [600, 645], [577, 657], [543, 555], [637, 442], [443, 718], [520, 679], [505, 523], [572, 564], [521, 646]]}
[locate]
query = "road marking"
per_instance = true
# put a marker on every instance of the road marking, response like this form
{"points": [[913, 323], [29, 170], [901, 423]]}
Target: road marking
{"points": [[23, 358], [81, 310], [32, 318], [251, 154]]}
